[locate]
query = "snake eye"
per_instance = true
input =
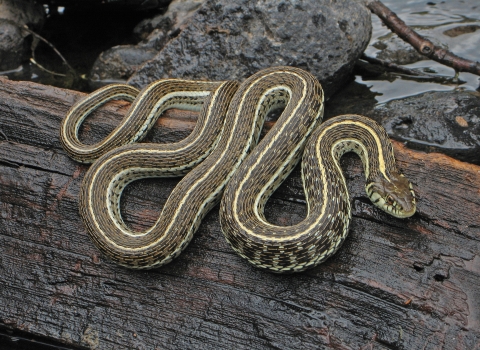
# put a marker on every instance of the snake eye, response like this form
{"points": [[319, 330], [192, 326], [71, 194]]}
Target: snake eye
{"points": [[389, 200]]}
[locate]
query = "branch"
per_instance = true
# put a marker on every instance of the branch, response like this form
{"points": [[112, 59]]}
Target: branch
{"points": [[32, 59], [24, 27], [412, 74], [422, 45], [392, 66], [34, 45]]}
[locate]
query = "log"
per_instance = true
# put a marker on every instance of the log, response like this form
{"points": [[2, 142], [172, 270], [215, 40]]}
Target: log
{"points": [[394, 284]]}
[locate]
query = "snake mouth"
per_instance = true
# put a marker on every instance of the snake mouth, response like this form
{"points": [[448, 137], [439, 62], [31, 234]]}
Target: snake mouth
{"points": [[400, 212], [395, 205]]}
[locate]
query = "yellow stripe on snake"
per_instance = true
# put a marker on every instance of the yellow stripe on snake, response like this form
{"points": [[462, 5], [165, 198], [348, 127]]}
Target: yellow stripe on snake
{"points": [[222, 154]]}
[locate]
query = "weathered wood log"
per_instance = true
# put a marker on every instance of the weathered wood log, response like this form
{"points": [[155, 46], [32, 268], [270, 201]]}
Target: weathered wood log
{"points": [[395, 284]]}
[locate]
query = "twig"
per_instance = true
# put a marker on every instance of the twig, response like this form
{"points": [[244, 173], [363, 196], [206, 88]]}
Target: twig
{"points": [[412, 74], [32, 59], [422, 45], [24, 27], [393, 66], [39, 37]]}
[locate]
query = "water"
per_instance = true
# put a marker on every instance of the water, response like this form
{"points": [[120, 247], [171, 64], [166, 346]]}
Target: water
{"points": [[431, 20]]}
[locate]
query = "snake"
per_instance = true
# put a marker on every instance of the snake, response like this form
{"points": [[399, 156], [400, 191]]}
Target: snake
{"points": [[222, 161]]}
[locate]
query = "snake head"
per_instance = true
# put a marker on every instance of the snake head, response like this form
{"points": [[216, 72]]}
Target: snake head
{"points": [[394, 195]]}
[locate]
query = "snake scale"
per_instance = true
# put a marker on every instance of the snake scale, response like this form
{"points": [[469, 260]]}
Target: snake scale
{"points": [[221, 156]]}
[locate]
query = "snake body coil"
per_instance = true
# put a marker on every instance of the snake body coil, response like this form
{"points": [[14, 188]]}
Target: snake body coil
{"points": [[221, 150], [321, 233]]}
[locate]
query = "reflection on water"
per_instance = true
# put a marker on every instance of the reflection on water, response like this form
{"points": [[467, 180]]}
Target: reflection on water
{"points": [[454, 24]]}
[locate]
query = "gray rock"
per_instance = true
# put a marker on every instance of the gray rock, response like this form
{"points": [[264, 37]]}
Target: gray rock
{"points": [[121, 4], [13, 48], [22, 12], [447, 122], [232, 39], [120, 62], [174, 19], [13, 15]]}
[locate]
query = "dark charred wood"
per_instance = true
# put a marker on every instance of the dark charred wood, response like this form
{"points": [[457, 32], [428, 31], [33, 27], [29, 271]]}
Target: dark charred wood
{"points": [[395, 284]]}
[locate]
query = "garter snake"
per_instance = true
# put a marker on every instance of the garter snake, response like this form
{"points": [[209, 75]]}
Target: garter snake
{"points": [[222, 152]]}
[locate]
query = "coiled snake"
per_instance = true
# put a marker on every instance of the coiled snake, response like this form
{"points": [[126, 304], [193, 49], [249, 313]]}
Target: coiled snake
{"points": [[223, 154]]}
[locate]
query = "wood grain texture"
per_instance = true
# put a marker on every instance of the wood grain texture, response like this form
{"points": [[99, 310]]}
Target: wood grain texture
{"points": [[395, 284]]}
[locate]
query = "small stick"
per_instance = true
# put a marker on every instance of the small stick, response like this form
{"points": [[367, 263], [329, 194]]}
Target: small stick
{"points": [[24, 27], [422, 45], [393, 66], [32, 59], [412, 73], [39, 37]]}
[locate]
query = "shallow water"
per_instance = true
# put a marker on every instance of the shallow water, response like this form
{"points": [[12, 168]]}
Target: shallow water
{"points": [[431, 20]]}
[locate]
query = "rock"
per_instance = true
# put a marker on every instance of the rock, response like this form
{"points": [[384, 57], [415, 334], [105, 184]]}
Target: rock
{"points": [[175, 18], [22, 12], [14, 48], [460, 30], [139, 5], [234, 39], [120, 62], [447, 122]]}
